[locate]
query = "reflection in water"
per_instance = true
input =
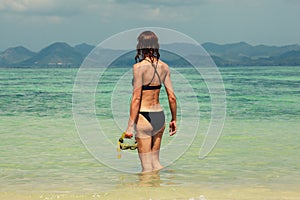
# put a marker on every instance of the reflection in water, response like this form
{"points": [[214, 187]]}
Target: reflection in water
{"points": [[151, 179], [164, 177]]}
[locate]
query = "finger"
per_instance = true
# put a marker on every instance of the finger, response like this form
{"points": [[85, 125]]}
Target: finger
{"points": [[128, 135], [172, 133]]}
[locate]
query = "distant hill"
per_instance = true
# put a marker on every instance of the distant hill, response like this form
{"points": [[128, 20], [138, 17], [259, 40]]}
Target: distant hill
{"points": [[58, 54], [15, 55], [84, 49], [245, 49], [289, 58], [61, 54], [127, 59], [245, 54]]}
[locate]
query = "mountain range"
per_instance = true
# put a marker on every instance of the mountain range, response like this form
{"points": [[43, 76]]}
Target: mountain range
{"points": [[61, 54], [58, 54], [243, 54]]}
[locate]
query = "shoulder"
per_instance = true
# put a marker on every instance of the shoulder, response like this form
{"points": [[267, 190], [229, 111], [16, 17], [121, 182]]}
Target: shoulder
{"points": [[164, 65], [139, 64], [136, 66]]}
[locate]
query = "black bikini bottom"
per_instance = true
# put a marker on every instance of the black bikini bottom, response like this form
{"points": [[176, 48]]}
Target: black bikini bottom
{"points": [[156, 119]]}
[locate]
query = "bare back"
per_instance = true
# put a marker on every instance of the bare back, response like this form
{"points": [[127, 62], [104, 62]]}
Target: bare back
{"points": [[151, 74]]}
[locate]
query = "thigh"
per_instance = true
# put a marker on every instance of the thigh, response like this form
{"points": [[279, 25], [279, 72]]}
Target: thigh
{"points": [[143, 134], [156, 139]]}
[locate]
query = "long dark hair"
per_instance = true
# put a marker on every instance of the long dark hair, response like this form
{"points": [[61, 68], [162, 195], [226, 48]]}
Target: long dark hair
{"points": [[147, 46]]}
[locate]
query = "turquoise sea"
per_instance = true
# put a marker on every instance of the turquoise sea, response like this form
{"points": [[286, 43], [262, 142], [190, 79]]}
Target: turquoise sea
{"points": [[256, 157]]}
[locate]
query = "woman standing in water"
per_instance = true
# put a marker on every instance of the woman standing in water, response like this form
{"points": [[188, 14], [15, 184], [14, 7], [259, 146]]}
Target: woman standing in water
{"points": [[147, 118]]}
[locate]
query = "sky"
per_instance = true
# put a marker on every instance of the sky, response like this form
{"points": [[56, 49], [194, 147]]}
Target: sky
{"points": [[35, 24]]}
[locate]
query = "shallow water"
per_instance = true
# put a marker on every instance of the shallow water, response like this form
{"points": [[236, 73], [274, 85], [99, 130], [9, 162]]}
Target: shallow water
{"points": [[258, 152]]}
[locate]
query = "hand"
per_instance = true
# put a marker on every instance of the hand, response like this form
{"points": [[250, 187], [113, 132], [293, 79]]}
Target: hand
{"points": [[129, 131], [128, 135], [172, 128]]}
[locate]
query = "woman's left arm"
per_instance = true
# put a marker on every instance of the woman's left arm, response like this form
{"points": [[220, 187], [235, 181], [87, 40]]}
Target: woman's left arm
{"points": [[136, 100]]}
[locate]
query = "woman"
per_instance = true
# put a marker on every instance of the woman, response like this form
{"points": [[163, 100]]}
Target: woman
{"points": [[146, 115]]}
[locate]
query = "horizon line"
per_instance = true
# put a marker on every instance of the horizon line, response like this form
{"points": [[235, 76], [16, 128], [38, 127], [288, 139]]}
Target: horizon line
{"points": [[227, 43]]}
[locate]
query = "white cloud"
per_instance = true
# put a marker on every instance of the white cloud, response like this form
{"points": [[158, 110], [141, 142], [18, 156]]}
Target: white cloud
{"points": [[26, 5], [169, 3], [51, 11], [106, 10], [36, 22], [134, 10], [40, 7]]}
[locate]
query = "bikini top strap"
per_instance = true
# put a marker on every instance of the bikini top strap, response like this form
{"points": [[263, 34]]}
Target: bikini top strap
{"points": [[155, 72]]}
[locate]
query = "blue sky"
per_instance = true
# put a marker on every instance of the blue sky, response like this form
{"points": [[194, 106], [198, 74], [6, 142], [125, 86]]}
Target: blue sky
{"points": [[38, 23]]}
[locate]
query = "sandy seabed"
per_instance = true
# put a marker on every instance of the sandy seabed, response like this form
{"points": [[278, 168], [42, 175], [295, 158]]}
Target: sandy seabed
{"points": [[162, 193]]}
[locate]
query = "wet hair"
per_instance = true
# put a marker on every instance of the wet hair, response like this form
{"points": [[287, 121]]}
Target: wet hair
{"points": [[147, 46]]}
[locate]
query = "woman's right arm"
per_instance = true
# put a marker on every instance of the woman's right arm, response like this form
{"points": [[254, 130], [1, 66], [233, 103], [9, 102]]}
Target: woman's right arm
{"points": [[172, 102], [135, 101]]}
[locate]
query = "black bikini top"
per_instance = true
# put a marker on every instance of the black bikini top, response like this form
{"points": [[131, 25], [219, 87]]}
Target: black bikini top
{"points": [[152, 87]]}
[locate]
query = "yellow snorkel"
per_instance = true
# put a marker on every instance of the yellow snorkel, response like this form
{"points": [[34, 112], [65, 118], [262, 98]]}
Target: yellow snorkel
{"points": [[125, 144]]}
